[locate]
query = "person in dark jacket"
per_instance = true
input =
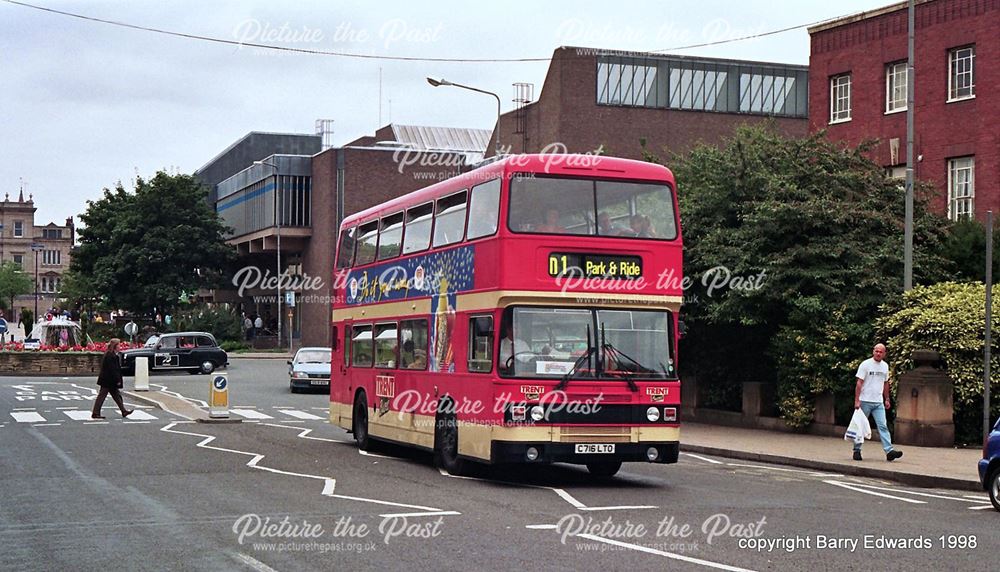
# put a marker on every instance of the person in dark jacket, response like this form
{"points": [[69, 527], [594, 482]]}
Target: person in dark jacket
{"points": [[110, 380]]}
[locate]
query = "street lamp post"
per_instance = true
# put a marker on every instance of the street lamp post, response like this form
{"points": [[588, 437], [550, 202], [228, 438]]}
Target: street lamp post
{"points": [[277, 221], [36, 247], [442, 81]]}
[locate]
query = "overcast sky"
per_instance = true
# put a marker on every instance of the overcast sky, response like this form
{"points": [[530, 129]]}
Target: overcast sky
{"points": [[85, 104]]}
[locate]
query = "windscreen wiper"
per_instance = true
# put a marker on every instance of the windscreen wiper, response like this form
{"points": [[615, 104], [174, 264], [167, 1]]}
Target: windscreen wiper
{"points": [[591, 350], [616, 354]]}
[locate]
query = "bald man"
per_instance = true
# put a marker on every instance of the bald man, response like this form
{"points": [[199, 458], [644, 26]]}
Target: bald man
{"points": [[871, 396]]}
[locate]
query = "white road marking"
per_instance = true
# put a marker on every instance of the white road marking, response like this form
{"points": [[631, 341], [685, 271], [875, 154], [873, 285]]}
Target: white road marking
{"points": [[670, 555], [766, 468], [23, 409], [387, 503], [569, 498], [250, 414], [140, 416], [706, 459], [78, 415], [304, 434], [127, 422], [97, 423], [542, 526], [299, 414], [252, 562], [27, 417], [367, 454], [980, 507], [410, 514], [46, 424], [873, 493], [909, 492], [977, 497]]}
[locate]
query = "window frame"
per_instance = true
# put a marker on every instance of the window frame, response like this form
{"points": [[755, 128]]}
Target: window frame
{"points": [[437, 213], [952, 58], [468, 209], [953, 199], [354, 344], [357, 248], [407, 221], [835, 86], [393, 363], [406, 324], [470, 354], [399, 244], [347, 233], [891, 75], [18, 229]]}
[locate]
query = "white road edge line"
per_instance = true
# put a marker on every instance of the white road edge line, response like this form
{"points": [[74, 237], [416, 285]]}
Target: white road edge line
{"points": [[409, 514], [980, 507], [766, 468], [671, 555], [304, 433], [873, 493], [252, 562], [542, 526], [700, 458], [909, 492]]}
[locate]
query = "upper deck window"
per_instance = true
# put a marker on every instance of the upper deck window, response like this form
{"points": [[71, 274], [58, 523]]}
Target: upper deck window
{"points": [[449, 222], [345, 253], [552, 205], [484, 206], [390, 237], [366, 243], [418, 228]]}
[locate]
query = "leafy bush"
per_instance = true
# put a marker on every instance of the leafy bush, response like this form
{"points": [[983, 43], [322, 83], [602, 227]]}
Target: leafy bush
{"points": [[234, 346], [224, 324], [949, 318]]}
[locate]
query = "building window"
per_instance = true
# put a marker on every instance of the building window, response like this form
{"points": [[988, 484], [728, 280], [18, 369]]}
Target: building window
{"points": [[18, 229], [961, 73], [19, 260], [51, 257], [961, 187], [52, 233], [895, 87], [840, 98], [897, 173]]}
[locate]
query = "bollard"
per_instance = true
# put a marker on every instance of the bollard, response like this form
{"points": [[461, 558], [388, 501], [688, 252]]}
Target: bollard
{"points": [[218, 402], [142, 374]]}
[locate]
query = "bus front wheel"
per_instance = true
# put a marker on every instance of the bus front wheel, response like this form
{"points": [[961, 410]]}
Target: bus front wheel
{"points": [[446, 445], [606, 469], [361, 422]]}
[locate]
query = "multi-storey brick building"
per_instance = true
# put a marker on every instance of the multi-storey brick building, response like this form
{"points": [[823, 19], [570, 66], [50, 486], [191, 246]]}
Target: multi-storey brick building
{"points": [[43, 252], [595, 99], [857, 69]]}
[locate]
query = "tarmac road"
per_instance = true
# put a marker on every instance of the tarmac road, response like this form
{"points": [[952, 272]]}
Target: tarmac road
{"points": [[286, 491]]}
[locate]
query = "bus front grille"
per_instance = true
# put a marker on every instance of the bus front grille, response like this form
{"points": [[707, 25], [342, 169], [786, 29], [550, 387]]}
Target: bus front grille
{"points": [[594, 435]]}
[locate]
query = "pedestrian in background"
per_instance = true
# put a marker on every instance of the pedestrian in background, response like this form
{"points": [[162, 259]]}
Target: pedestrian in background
{"points": [[871, 396], [110, 380]]}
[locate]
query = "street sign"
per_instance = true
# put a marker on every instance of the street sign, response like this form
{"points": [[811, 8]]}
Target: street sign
{"points": [[3, 326], [37, 246], [131, 329], [218, 400], [290, 299]]}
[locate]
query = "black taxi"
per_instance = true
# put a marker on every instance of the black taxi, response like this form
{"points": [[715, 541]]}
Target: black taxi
{"points": [[194, 352]]}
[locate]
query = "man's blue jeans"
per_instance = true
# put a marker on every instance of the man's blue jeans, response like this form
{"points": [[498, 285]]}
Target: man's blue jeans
{"points": [[877, 410]]}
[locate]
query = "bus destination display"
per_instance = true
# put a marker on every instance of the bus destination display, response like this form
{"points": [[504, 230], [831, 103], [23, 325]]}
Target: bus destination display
{"points": [[594, 265]]}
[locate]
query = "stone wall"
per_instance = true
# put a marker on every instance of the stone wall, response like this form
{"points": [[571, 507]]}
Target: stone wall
{"points": [[50, 363]]}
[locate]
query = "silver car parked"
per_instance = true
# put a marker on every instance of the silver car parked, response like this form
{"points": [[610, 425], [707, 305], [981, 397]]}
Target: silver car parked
{"points": [[309, 369]]}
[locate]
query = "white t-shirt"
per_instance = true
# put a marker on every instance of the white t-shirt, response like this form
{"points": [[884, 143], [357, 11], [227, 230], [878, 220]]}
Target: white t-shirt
{"points": [[508, 349], [873, 375]]}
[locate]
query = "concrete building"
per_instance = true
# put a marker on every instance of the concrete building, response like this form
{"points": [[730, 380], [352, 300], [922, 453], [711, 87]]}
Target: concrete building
{"points": [[298, 200], [43, 252], [857, 68], [594, 99]]}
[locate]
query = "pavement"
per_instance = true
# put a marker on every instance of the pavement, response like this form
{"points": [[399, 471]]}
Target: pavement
{"points": [[932, 467]]}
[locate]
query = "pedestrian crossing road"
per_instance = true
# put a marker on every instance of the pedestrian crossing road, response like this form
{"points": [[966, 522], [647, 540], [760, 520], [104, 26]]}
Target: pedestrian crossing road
{"points": [[44, 417]]}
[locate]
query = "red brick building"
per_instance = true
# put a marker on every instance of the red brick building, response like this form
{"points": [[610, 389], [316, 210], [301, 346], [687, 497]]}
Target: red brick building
{"points": [[593, 98], [857, 70]]}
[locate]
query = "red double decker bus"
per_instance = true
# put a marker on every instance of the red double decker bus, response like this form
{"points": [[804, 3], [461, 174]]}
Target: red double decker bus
{"points": [[523, 312]]}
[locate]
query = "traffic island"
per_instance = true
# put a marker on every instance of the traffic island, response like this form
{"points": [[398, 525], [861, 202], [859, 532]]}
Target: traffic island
{"points": [[178, 406]]}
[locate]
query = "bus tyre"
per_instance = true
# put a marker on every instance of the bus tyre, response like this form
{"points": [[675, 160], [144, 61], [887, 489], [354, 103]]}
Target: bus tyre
{"points": [[446, 445], [605, 469], [360, 424]]}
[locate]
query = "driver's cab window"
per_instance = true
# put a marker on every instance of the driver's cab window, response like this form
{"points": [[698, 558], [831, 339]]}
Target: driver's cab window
{"points": [[543, 342]]}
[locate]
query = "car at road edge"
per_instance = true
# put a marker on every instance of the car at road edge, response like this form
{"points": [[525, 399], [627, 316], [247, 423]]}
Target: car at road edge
{"points": [[309, 369], [989, 466]]}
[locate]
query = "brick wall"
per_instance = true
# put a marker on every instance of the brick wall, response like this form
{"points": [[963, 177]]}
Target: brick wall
{"points": [[942, 130], [50, 363]]}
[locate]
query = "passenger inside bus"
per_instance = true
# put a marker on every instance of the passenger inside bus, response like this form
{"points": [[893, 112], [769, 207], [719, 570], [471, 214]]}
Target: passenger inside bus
{"points": [[551, 223], [605, 227], [412, 358], [641, 226]]}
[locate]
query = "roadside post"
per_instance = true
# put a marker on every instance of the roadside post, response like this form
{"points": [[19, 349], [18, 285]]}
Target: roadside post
{"points": [[218, 401], [142, 374], [131, 329]]}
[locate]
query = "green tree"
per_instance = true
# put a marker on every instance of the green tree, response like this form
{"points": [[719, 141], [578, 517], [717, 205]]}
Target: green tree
{"points": [[141, 249], [816, 233], [13, 282]]}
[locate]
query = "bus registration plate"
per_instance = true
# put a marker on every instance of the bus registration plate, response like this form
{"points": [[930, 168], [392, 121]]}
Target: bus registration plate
{"points": [[594, 449]]}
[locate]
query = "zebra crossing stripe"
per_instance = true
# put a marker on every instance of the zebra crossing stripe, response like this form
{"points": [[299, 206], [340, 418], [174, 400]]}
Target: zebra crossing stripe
{"points": [[27, 417], [138, 415], [78, 415], [299, 414], [250, 414]]}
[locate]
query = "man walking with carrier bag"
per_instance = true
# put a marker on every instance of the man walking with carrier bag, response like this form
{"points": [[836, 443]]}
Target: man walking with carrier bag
{"points": [[871, 396]]}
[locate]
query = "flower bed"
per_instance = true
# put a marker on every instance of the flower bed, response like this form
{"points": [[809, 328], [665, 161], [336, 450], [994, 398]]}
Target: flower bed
{"points": [[53, 360]]}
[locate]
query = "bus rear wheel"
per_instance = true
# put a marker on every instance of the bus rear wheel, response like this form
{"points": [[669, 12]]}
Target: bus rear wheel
{"points": [[446, 445], [360, 424], [605, 469]]}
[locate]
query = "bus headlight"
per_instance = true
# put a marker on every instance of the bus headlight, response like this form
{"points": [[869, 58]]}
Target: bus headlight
{"points": [[537, 413], [653, 414]]}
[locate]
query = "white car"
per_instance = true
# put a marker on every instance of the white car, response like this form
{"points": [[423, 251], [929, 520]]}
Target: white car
{"points": [[309, 369]]}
